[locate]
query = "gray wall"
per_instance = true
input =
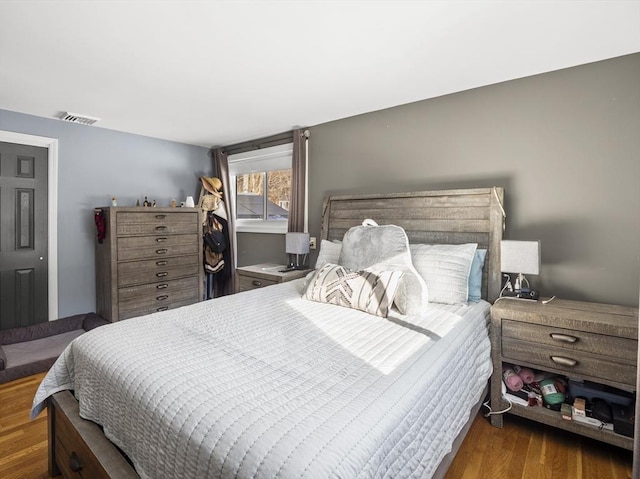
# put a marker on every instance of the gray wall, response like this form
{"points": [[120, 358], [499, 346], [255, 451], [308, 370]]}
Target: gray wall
{"points": [[564, 145], [95, 164]]}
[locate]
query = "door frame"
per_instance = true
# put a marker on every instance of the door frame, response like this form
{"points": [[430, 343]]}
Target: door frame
{"points": [[52, 216]]}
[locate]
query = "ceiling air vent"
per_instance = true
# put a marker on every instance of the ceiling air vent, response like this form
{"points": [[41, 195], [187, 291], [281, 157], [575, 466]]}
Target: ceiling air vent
{"points": [[75, 118]]}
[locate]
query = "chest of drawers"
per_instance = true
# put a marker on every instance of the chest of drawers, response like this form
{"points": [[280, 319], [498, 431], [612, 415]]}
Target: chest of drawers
{"points": [[582, 341], [150, 260]]}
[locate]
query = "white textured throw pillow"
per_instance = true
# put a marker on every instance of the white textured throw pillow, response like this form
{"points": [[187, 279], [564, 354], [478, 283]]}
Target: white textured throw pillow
{"points": [[329, 253], [386, 248], [445, 268], [368, 291]]}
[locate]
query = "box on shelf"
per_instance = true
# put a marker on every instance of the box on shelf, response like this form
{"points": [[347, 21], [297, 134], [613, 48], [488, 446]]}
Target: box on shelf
{"points": [[593, 422]]}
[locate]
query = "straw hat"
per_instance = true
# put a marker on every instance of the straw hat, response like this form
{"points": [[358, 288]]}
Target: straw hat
{"points": [[213, 185]]}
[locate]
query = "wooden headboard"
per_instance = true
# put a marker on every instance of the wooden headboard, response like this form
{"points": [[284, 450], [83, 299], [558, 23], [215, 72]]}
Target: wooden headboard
{"points": [[430, 217]]}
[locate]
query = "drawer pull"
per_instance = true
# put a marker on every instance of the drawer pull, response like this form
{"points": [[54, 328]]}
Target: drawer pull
{"points": [[161, 240], [161, 228], [162, 263], [161, 217], [564, 361], [163, 308], [162, 275], [74, 462], [162, 286], [162, 297], [565, 338], [161, 251], [255, 282]]}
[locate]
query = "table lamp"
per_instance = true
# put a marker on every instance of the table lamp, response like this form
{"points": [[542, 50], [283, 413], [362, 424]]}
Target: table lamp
{"points": [[297, 244], [519, 257]]}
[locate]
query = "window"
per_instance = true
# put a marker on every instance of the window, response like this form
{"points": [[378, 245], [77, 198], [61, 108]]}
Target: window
{"points": [[262, 189]]}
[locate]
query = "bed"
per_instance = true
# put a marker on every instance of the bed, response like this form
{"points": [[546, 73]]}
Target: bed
{"points": [[269, 384]]}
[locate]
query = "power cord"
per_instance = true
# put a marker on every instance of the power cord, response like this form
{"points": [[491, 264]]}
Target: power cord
{"points": [[492, 413]]}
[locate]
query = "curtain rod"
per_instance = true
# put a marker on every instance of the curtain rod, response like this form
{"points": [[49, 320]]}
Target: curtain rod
{"points": [[266, 142], [275, 140]]}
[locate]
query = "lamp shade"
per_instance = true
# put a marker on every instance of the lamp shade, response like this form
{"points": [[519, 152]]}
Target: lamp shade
{"points": [[297, 243], [520, 256]]}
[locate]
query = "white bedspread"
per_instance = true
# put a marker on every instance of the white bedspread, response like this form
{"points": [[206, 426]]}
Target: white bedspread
{"points": [[252, 385]]}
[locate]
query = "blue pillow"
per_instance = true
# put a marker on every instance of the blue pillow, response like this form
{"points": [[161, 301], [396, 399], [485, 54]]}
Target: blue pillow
{"points": [[475, 275]]}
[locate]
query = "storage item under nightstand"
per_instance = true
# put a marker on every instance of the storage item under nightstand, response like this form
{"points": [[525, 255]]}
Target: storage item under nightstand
{"points": [[578, 340], [266, 274]]}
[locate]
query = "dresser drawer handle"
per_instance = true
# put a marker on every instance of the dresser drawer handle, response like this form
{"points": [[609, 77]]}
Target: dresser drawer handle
{"points": [[564, 361], [162, 297], [255, 282], [162, 263], [163, 308], [162, 286], [161, 217], [565, 338], [162, 251], [74, 462], [162, 275], [161, 240], [161, 228]]}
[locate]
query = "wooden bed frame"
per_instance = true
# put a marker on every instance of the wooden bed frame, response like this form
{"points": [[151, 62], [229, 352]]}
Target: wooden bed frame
{"points": [[78, 448]]}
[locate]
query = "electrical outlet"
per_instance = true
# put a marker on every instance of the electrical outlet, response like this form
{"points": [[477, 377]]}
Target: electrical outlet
{"points": [[312, 242]]}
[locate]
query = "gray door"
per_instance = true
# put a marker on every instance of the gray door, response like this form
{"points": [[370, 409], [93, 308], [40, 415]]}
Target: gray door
{"points": [[23, 235]]}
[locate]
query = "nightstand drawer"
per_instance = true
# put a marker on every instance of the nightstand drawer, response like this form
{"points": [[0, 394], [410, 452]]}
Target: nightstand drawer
{"points": [[247, 283], [571, 340], [571, 363]]}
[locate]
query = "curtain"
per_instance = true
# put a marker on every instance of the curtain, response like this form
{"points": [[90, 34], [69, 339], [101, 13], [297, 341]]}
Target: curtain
{"points": [[226, 283], [297, 205]]}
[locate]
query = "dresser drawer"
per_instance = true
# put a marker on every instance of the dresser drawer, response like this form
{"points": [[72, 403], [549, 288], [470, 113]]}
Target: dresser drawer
{"points": [[156, 309], [144, 223], [572, 363], [157, 295], [571, 340], [247, 283], [143, 276], [72, 455], [156, 241], [158, 251]]}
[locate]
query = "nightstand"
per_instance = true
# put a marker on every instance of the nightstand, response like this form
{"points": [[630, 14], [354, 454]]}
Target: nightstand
{"points": [[266, 274], [578, 340]]}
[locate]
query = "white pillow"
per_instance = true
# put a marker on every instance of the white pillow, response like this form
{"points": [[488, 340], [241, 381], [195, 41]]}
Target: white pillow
{"points": [[445, 268], [329, 253], [367, 291], [386, 248]]}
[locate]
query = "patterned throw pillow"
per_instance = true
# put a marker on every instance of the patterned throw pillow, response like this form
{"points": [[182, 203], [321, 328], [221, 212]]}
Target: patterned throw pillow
{"points": [[368, 291]]}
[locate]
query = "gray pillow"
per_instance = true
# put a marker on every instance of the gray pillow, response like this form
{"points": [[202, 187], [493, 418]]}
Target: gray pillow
{"points": [[386, 248], [329, 253]]}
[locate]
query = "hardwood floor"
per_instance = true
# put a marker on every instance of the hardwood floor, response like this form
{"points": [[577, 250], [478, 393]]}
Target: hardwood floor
{"points": [[522, 449], [23, 443]]}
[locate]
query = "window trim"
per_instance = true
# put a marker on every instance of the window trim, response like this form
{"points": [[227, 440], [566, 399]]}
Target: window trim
{"points": [[250, 225]]}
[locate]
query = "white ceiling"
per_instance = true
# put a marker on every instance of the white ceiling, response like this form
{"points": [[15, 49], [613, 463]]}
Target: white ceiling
{"points": [[219, 72]]}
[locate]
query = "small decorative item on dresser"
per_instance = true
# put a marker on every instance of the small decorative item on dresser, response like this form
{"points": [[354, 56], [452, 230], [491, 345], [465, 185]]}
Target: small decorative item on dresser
{"points": [[114, 201], [173, 203], [146, 202], [189, 203]]}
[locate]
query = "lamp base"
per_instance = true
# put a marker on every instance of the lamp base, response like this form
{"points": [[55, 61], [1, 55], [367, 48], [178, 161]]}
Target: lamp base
{"points": [[521, 294], [293, 267]]}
